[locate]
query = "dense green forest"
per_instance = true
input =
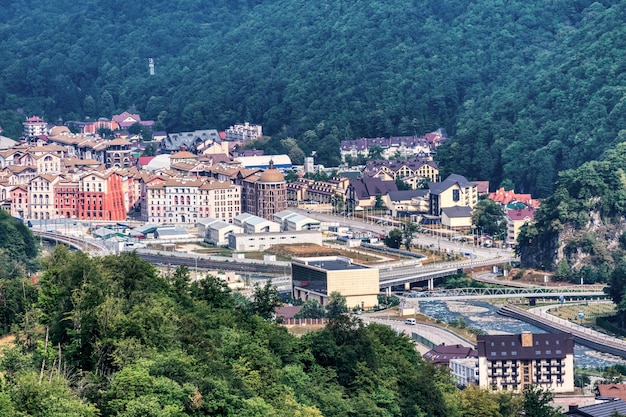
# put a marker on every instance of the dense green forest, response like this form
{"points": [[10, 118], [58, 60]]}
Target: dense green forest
{"points": [[578, 231], [517, 84], [112, 336]]}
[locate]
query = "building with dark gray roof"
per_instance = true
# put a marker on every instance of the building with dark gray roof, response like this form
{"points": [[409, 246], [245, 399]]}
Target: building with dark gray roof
{"points": [[606, 409], [512, 362]]}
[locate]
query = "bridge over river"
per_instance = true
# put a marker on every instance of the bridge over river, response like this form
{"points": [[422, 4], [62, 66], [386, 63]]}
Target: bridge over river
{"points": [[568, 292]]}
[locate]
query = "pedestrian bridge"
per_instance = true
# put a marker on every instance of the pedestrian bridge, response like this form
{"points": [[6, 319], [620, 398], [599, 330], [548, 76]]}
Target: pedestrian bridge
{"points": [[482, 293]]}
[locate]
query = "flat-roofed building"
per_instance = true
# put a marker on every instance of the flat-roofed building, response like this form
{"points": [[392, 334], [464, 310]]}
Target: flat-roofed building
{"points": [[316, 278], [512, 362], [250, 242], [464, 371]]}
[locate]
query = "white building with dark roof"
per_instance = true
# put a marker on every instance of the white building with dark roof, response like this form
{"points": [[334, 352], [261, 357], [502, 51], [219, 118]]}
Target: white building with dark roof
{"points": [[455, 190], [457, 217]]}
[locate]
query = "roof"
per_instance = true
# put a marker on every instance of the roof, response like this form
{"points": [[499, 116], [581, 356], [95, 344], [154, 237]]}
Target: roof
{"points": [[606, 409], [506, 347], [158, 162], [444, 353], [171, 231], [271, 175], [183, 155], [521, 214], [146, 228], [612, 390], [263, 161], [440, 187], [104, 233], [144, 160], [457, 212], [366, 187], [402, 195], [6, 143], [482, 187], [335, 265]]}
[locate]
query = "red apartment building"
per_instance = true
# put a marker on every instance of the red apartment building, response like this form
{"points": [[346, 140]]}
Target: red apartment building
{"points": [[66, 199], [101, 197]]}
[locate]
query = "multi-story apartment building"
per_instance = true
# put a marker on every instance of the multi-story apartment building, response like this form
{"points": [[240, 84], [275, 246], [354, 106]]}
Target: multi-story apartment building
{"points": [[41, 197], [220, 200], [153, 201], [410, 170], [512, 362], [244, 132], [181, 196], [515, 219], [332, 191], [34, 126], [20, 174], [264, 194], [397, 147], [118, 154], [187, 199], [100, 196], [66, 194], [455, 190], [48, 163], [19, 202]]}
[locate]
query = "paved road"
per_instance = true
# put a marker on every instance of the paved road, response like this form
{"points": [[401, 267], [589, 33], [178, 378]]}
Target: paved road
{"points": [[582, 335], [435, 334], [439, 243]]}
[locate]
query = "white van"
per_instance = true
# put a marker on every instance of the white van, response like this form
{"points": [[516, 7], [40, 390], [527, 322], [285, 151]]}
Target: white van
{"points": [[410, 321]]}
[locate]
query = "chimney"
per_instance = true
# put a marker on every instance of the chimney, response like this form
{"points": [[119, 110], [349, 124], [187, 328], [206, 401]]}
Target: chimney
{"points": [[527, 339]]}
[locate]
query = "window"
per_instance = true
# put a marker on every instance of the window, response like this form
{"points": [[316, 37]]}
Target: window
{"points": [[456, 195]]}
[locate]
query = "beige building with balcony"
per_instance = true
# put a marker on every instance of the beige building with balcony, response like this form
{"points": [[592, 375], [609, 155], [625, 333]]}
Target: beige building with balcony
{"points": [[316, 278]]}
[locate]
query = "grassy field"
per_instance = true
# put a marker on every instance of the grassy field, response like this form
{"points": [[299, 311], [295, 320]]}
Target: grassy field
{"points": [[591, 312]]}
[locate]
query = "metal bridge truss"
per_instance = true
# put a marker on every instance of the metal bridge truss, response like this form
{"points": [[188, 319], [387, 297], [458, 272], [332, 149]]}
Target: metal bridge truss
{"points": [[570, 291]]}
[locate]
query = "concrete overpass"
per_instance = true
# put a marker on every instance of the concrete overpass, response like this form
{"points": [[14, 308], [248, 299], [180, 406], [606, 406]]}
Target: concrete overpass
{"points": [[80, 243], [393, 277]]}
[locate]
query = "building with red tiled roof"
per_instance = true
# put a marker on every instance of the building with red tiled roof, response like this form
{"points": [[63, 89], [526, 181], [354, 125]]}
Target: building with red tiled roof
{"points": [[612, 390], [506, 197]]}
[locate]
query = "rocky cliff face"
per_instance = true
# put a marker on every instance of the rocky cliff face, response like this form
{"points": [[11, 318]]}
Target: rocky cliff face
{"points": [[591, 250]]}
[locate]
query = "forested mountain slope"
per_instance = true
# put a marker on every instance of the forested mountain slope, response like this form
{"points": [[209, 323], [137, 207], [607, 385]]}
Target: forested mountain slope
{"points": [[579, 230], [517, 84]]}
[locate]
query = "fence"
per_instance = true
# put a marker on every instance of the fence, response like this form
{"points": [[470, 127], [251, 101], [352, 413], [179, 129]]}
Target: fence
{"points": [[303, 322], [421, 339]]}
